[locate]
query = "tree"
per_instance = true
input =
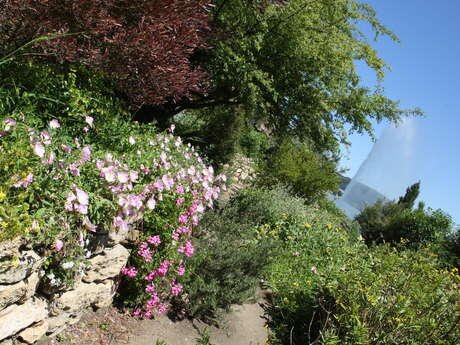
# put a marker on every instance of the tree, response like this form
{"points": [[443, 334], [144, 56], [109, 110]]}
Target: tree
{"points": [[390, 221], [292, 65], [408, 199], [145, 46]]}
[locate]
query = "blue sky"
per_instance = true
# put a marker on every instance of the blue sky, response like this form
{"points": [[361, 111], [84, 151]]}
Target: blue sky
{"points": [[425, 73]]}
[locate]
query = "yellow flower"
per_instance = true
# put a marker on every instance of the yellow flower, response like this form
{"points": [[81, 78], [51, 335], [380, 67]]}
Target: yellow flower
{"points": [[295, 284], [2, 196]]}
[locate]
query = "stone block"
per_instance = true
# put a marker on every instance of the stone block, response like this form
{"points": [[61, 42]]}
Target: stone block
{"points": [[13, 271], [17, 317], [106, 265], [84, 296], [31, 334]]}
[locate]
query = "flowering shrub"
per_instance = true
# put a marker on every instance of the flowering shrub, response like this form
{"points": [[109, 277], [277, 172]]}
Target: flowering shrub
{"points": [[84, 185], [329, 288]]}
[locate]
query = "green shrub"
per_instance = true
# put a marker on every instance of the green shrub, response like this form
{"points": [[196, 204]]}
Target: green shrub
{"points": [[448, 249], [254, 144], [330, 289], [43, 92], [236, 244], [309, 174], [321, 247], [258, 206], [228, 265], [418, 227], [392, 222], [374, 219]]}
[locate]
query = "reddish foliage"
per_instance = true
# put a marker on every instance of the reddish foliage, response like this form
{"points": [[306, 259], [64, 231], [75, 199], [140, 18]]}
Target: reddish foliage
{"points": [[144, 44]]}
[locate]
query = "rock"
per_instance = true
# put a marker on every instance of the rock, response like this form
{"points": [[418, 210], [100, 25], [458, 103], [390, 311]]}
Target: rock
{"points": [[35, 332], [133, 236], [10, 294], [84, 296], [14, 271], [10, 248], [17, 317], [31, 285], [57, 324], [6, 342], [107, 265]]}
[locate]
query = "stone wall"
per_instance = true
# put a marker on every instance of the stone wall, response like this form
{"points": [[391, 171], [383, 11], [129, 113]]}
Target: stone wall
{"points": [[28, 311]]}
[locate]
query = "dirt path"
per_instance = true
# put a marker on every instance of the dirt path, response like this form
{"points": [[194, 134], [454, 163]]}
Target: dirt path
{"points": [[245, 325]]}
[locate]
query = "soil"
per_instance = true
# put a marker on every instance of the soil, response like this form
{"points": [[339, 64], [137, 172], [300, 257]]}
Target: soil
{"points": [[245, 325]]}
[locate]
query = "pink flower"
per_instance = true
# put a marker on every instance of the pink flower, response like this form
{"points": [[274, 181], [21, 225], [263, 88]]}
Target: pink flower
{"points": [[183, 218], [9, 124], [137, 312], [120, 223], [162, 309], [131, 272], [82, 196], [108, 174], [28, 180], [54, 124], [176, 289], [168, 181], [179, 201], [86, 153], [123, 177], [191, 170], [181, 270], [58, 245], [150, 288], [187, 249], [146, 254], [89, 120], [180, 189], [133, 175], [66, 148], [39, 149], [82, 209], [73, 168], [46, 137], [51, 157], [155, 240], [88, 225], [151, 203]]}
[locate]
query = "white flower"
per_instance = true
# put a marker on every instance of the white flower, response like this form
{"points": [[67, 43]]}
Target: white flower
{"points": [[151, 204], [67, 265], [131, 140]]}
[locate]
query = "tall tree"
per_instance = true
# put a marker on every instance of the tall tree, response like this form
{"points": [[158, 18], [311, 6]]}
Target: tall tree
{"points": [[412, 193], [292, 64]]}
